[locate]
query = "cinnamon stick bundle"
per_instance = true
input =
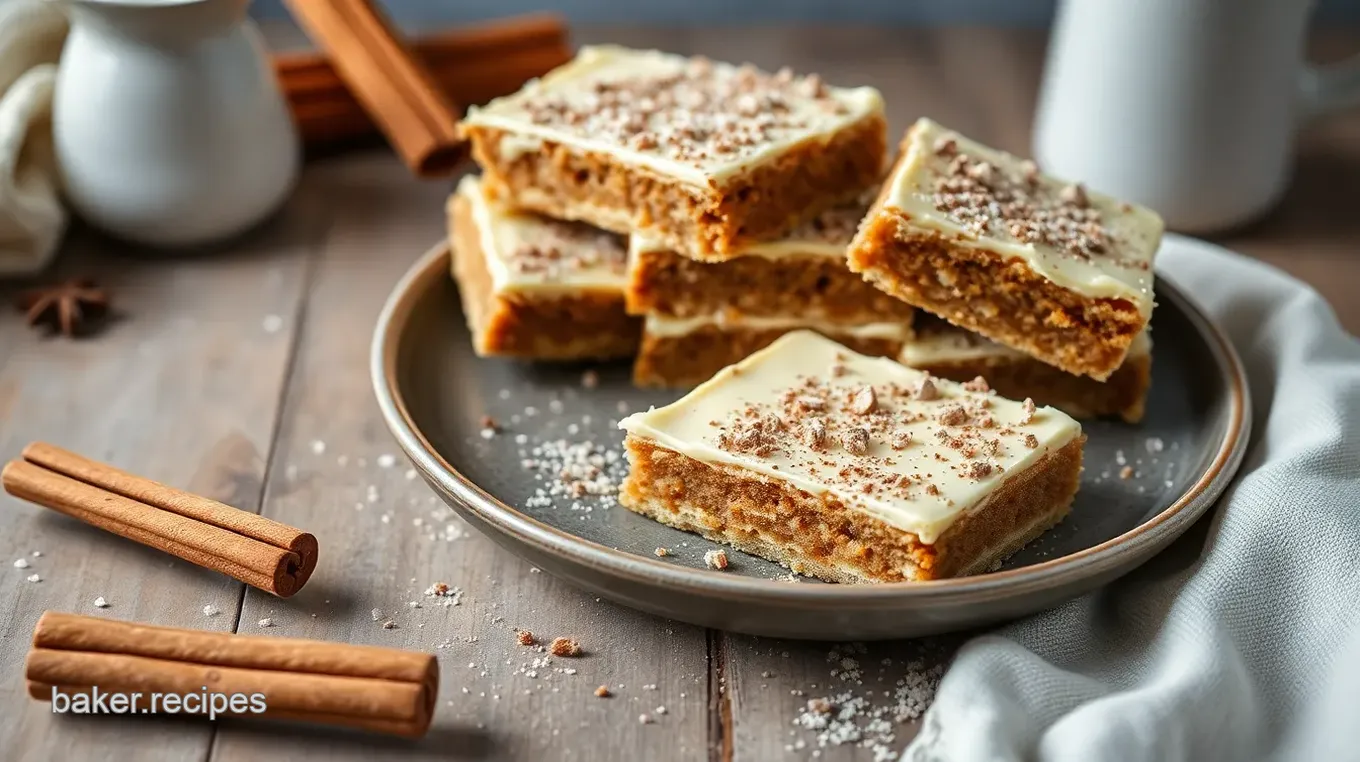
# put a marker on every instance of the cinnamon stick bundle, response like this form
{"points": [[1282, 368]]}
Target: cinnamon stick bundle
{"points": [[380, 689], [471, 65], [258, 551], [394, 87]]}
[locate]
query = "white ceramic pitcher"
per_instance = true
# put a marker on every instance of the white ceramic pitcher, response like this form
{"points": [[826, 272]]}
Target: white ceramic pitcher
{"points": [[169, 125], [1187, 106]]}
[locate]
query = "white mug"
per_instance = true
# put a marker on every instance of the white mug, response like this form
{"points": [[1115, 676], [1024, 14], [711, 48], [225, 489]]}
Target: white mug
{"points": [[1186, 106], [169, 125]]}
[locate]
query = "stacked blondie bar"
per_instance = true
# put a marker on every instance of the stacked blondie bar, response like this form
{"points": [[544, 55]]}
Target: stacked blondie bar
{"points": [[731, 194], [1038, 285]]}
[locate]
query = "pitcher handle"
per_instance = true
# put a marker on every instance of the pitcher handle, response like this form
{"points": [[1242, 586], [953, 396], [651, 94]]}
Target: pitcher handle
{"points": [[1331, 88]]}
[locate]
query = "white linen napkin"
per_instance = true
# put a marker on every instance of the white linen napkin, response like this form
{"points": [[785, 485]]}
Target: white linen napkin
{"points": [[1242, 640], [32, 217]]}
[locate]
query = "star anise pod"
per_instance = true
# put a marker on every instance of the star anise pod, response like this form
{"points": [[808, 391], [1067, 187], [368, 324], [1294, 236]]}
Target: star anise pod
{"points": [[68, 307]]}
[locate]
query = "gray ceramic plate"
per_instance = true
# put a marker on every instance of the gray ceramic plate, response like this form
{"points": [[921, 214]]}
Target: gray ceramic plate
{"points": [[433, 391]]}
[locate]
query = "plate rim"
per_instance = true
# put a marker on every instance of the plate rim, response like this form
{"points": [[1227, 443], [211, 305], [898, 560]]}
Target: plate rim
{"points": [[1144, 539]]}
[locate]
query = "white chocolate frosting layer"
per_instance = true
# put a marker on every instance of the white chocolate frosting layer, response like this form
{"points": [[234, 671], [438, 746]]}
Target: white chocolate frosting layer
{"points": [[913, 451], [698, 121], [659, 325], [948, 343], [827, 235], [528, 253], [1084, 241]]}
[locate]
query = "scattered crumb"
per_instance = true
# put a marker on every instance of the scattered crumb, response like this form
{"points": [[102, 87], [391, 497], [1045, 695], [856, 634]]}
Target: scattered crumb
{"points": [[603, 692], [1154, 444], [565, 647], [266, 622], [1126, 472], [272, 323], [389, 625], [590, 379], [525, 638], [100, 603], [318, 447], [22, 563], [487, 422], [660, 710], [645, 719], [861, 716], [386, 460], [35, 578], [661, 552], [376, 614], [37, 554], [211, 610], [410, 474], [716, 559]]}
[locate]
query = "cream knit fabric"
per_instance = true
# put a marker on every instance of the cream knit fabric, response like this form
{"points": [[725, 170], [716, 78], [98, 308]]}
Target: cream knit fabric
{"points": [[32, 217]]}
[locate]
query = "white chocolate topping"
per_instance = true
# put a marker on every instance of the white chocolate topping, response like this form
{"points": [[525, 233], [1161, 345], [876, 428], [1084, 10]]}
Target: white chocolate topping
{"points": [[943, 342], [698, 121], [526, 252], [659, 325], [914, 451], [979, 197], [827, 235]]}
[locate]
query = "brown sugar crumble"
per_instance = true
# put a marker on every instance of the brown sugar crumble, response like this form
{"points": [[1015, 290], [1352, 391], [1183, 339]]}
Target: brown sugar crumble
{"points": [[525, 638], [564, 647]]}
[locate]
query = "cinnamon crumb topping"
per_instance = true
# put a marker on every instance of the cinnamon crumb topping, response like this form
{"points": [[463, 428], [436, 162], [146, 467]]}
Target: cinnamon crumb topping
{"points": [[978, 469], [1031, 441], [864, 401], [814, 434], [978, 384], [989, 200], [1027, 415], [554, 249], [525, 638], [927, 391], [900, 440], [564, 647], [855, 440], [954, 415], [692, 111]]}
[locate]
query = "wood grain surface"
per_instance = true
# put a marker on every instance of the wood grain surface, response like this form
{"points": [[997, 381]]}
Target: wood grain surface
{"points": [[241, 373]]}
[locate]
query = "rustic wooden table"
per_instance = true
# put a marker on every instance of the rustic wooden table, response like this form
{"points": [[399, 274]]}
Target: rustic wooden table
{"points": [[242, 374]]}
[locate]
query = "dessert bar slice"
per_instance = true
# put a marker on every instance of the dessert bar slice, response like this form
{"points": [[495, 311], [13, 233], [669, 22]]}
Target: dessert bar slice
{"points": [[851, 468], [989, 243], [802, 274], [679, 352], [537, 288], [705, 156], [950, 352]]}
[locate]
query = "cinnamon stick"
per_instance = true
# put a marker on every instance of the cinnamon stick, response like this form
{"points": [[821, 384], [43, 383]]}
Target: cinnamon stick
{"points": [[258, 551], [395, 88], [326, 112], [367, 687]]}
